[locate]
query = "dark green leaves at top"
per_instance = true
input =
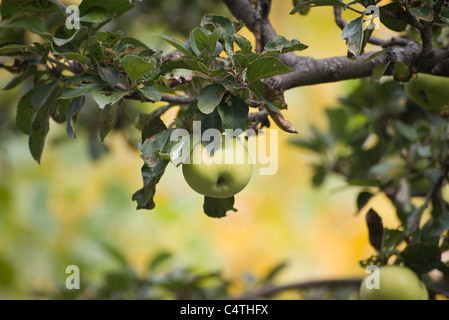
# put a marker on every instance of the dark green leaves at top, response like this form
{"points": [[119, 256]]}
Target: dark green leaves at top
{"points": [[114, 7], [11, 8], [217, 208], [281, 45], [265, 67], [210, 97], [32, 24]]}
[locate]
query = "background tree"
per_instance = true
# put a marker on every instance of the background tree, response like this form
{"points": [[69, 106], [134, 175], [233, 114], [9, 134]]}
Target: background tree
{"points": [[379, 138]]}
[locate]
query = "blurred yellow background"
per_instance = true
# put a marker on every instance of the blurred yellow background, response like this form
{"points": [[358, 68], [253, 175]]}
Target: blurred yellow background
{"points": [[55, 214]]}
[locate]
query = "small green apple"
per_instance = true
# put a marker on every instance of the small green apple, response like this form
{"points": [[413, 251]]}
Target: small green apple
{"points": [[221, 175], [429, 91], [395, 283]]}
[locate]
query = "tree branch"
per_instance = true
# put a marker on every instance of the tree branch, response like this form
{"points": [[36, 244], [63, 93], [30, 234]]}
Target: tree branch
{"points": [[351, 282]]}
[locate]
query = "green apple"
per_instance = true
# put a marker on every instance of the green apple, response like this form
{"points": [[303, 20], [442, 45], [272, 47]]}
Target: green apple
{"points": [[395, 283], [429, 91], [220, 175]]}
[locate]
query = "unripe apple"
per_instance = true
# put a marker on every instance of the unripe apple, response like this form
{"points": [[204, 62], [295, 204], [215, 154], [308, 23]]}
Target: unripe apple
{"points": [[220, 175], [429, 91], [395, 283]]}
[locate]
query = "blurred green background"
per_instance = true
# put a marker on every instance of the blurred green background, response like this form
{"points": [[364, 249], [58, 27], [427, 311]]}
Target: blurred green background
{"points": [[72, 210]]}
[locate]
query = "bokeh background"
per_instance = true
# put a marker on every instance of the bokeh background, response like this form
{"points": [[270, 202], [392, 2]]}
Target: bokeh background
{"points": [[68, 209]]}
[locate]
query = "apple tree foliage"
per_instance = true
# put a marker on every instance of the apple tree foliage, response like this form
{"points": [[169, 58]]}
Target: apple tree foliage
{"points": [[378, 139]]}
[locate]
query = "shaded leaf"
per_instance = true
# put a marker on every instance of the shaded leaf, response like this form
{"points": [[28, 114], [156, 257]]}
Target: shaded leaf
{"points": [[421, 257], [375, 229], [233, 113], [362, 199], [217, 208], [109, 123], [379, 71], [25, 113], [209, 97], [72, 115]]}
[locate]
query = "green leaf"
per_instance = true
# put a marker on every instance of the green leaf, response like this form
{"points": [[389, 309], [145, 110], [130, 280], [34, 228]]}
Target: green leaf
{"points": [[177, 77], [243, 43], [30, 70], [226, 27], [153, 126], [217, 208], [397, 25], [353, 34], [265, 67], [233, 113], [136, 67], [178, 45], [95, 15], [81, 85], [392, 238], [158, 260], [40, 127], [150, 93], [113, 7], [362, 199], [401, 71], [375, 229], [32, 24], [406, 131], [60, 42], [17, 50], [42, 93], [109, 123], [10, 8], [421, 257], [72, 55], [203, 40], [317, 3], [423, 11], [107, 97], [209, 97], [109, 74], [153, 169], [379, 71], [72, 115], [281, 45], [25, 113]]}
